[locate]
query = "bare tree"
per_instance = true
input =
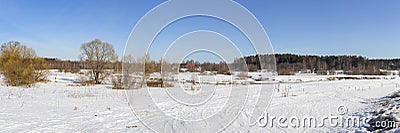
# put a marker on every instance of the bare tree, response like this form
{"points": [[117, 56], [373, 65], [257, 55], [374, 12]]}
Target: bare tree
{"points": [[132, 76], [98, 56]]}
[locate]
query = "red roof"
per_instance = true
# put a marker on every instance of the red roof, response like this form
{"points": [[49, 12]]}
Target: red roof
{"points": [[191, 65]]}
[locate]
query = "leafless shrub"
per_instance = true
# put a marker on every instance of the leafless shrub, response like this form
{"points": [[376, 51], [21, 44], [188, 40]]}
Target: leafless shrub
{"points": [[83, 81], [20, 65], [117, 81]]}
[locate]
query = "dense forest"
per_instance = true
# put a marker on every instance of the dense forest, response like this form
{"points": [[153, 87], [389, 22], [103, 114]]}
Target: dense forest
{"points": [[287, 64], [290, 63]]}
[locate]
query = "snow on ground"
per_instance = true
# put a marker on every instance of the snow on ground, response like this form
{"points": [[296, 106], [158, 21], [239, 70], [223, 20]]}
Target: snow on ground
{"points": [[384, 114], [319, 99], [61, 106], [58, 106]]}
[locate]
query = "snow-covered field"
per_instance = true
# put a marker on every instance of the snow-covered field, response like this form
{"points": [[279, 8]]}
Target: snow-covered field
{"points": [[62, 106]]}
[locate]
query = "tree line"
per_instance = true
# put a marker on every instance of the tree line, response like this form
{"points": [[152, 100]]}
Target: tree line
{"points": [[286, 64], [20, 65], [290, 63]]}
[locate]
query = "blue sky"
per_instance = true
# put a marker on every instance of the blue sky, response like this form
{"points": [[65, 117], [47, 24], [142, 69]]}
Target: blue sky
{"points": [[57, 28]]}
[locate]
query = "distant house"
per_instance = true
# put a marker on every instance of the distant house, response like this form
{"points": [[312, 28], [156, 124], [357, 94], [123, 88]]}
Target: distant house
{"points": [[339, 72], [207, 73], [261, 75], [155, 76], [155, 80], [390, 72], [183, 69], [307, 72], [189, 67]]}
